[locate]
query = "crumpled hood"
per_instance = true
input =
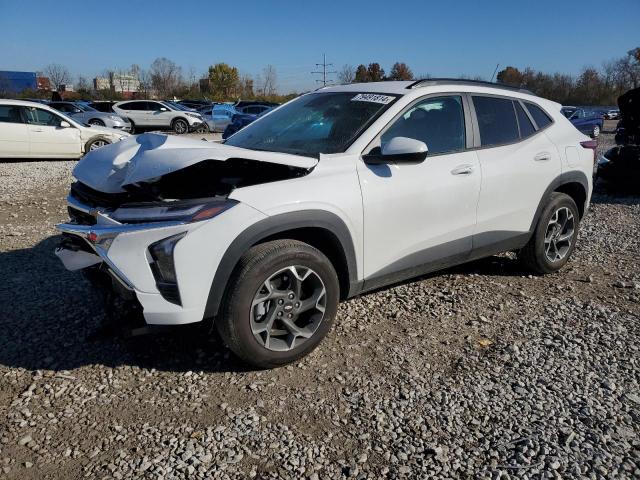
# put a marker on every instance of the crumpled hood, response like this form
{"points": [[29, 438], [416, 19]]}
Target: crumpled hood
{"points": [[145, 157]]}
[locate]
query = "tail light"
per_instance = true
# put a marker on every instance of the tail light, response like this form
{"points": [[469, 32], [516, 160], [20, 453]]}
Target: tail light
{"points": [[593, 145]]}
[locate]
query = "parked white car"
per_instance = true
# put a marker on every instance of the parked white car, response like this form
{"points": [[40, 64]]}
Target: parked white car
{"points": [[160, 115], [338, 192], [35, 130]]}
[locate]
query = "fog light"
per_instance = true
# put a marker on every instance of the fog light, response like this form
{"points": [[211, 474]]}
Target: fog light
{"points": [[163, 267]]}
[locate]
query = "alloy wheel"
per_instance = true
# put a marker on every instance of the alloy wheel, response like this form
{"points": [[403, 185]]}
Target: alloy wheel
{"points": [[288, 308], [97, 144], [180, 127], [559, 234]]}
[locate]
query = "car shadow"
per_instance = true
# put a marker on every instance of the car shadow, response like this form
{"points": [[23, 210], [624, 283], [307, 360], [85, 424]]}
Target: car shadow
{"points": [[53, 319]]}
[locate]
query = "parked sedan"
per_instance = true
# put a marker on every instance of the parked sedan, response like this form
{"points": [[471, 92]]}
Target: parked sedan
{"points": [[612, 114], [83, 113], [587, 121], [35, 130]]}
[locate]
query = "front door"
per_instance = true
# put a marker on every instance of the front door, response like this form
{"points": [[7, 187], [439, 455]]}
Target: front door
{"points": [[421, 216], [48, 138]]}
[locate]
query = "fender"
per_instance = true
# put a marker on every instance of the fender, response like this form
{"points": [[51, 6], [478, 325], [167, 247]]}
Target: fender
{"points": [[573, 176], [272, 226]]}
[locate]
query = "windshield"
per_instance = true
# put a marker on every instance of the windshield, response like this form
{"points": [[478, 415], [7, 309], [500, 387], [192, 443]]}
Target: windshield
{"points": [[177, 106], [313, 124], [85, 108]]}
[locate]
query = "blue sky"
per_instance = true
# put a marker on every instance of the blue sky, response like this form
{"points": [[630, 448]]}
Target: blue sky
{"points": [[440, 38]]}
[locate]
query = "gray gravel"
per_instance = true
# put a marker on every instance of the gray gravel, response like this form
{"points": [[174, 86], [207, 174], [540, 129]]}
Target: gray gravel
{"points": [[482, 371]]}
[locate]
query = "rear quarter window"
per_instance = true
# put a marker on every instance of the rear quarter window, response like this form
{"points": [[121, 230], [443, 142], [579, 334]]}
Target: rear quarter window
{"points": [[496, 120], [539, 116]]}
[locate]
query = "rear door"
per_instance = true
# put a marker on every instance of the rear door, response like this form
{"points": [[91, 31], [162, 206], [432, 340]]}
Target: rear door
{"points": [[48, 138], [14, 134], [518, 163], [135, 110]]}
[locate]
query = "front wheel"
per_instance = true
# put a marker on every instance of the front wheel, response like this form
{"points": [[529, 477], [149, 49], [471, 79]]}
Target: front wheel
{"points": [[96, 122], [554, 238], [280, 303], [180, 126], [95, 144], [596, 131]]}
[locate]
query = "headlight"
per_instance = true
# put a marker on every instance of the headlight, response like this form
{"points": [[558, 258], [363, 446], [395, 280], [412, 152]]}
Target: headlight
{"points": [[194, 115], [186, 212], [115, 118]]}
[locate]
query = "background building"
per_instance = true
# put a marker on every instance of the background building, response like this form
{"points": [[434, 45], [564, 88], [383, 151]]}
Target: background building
{"points": [[126, 84]]}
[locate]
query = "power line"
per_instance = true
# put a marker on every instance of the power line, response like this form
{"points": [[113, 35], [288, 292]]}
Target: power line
{"points": [[324, 71]]}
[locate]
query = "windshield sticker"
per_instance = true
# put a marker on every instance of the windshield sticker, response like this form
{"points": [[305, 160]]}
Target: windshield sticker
{"points": [[373, 97]]}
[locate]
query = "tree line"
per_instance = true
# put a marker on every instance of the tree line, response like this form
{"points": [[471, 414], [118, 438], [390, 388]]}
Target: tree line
{"points": [[592, 86], [166, 79]]}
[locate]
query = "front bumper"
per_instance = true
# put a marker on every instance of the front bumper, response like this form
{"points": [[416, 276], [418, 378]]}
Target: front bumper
{"points": [[122, 250]]}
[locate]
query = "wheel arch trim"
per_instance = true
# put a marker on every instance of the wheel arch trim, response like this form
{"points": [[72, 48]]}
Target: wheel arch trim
{"points": [[270, 227], [573, 176]]}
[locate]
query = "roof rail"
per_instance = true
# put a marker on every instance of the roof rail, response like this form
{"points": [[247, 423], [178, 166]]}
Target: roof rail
{"points": [[428, 82]]}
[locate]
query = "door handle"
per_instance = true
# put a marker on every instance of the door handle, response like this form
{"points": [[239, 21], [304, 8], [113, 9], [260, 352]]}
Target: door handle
{"points": [[36, 130], [462, 170], [542, 157]]}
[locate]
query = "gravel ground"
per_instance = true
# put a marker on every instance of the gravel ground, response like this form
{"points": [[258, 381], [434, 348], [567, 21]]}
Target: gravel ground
{"points": [[482, 371]]}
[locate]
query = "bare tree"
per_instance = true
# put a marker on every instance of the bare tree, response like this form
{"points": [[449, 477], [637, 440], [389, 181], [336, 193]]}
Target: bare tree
{"points": [[269, 78], [347, 74], [58, 75], [166, 76]]}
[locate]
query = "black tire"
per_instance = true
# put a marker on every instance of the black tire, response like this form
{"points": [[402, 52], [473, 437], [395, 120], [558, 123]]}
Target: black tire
{"points": [[95, 143], [133, 127], [204, 128], [255, 267], [180, 126], [97, 122], [534, 255]]}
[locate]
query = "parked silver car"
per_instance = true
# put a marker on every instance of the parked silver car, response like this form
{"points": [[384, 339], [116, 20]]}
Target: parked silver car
{"points": [[219, 116], [90, 116], [157, 114]]}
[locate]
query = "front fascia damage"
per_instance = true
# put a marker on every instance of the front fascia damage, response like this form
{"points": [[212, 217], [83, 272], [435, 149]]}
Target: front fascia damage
{"points": [[159, 168]]}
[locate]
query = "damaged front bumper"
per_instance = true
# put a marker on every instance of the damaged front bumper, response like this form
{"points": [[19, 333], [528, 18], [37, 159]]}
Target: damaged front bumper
{"points": [[128, 252]]}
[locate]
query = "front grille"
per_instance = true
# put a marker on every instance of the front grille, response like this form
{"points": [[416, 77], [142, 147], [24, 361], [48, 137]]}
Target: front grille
{"points": [[94, 198]]}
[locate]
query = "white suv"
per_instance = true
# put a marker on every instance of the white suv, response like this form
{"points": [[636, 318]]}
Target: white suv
{"points": [[160, 115], [335, 193]]}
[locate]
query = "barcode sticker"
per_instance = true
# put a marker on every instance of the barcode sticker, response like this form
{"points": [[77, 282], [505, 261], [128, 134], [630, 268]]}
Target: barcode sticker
{"points": [[372, 97]]}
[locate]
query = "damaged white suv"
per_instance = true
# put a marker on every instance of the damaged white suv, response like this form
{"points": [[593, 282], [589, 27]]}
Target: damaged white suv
{"points": [[335, 193]]}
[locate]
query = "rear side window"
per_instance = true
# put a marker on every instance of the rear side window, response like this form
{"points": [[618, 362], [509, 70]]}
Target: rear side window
{"points": [[526, 127], [10, 114], [539, 115], [496, 120]]}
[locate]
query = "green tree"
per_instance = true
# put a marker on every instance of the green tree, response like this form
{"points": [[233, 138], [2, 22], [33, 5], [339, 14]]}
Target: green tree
{"points": [[224, 81]]}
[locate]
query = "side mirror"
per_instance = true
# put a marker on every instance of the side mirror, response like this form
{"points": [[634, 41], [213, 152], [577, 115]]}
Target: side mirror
{"points": [[77, 110], [162, 109], [398, 149], [65, 124]]}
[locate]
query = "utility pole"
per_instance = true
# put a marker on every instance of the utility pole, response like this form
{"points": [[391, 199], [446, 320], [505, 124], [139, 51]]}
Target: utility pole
{"points": [[494, 72], [324, 71]]}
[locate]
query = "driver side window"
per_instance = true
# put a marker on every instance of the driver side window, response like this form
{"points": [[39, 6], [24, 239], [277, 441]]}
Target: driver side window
{"points": [[36, 116], [438, 122]]}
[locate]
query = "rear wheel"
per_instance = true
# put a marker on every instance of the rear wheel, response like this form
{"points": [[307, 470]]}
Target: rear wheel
{"points": [[280, 303], [133, 127], [596, 131], [554, 238], [180, 126]]}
